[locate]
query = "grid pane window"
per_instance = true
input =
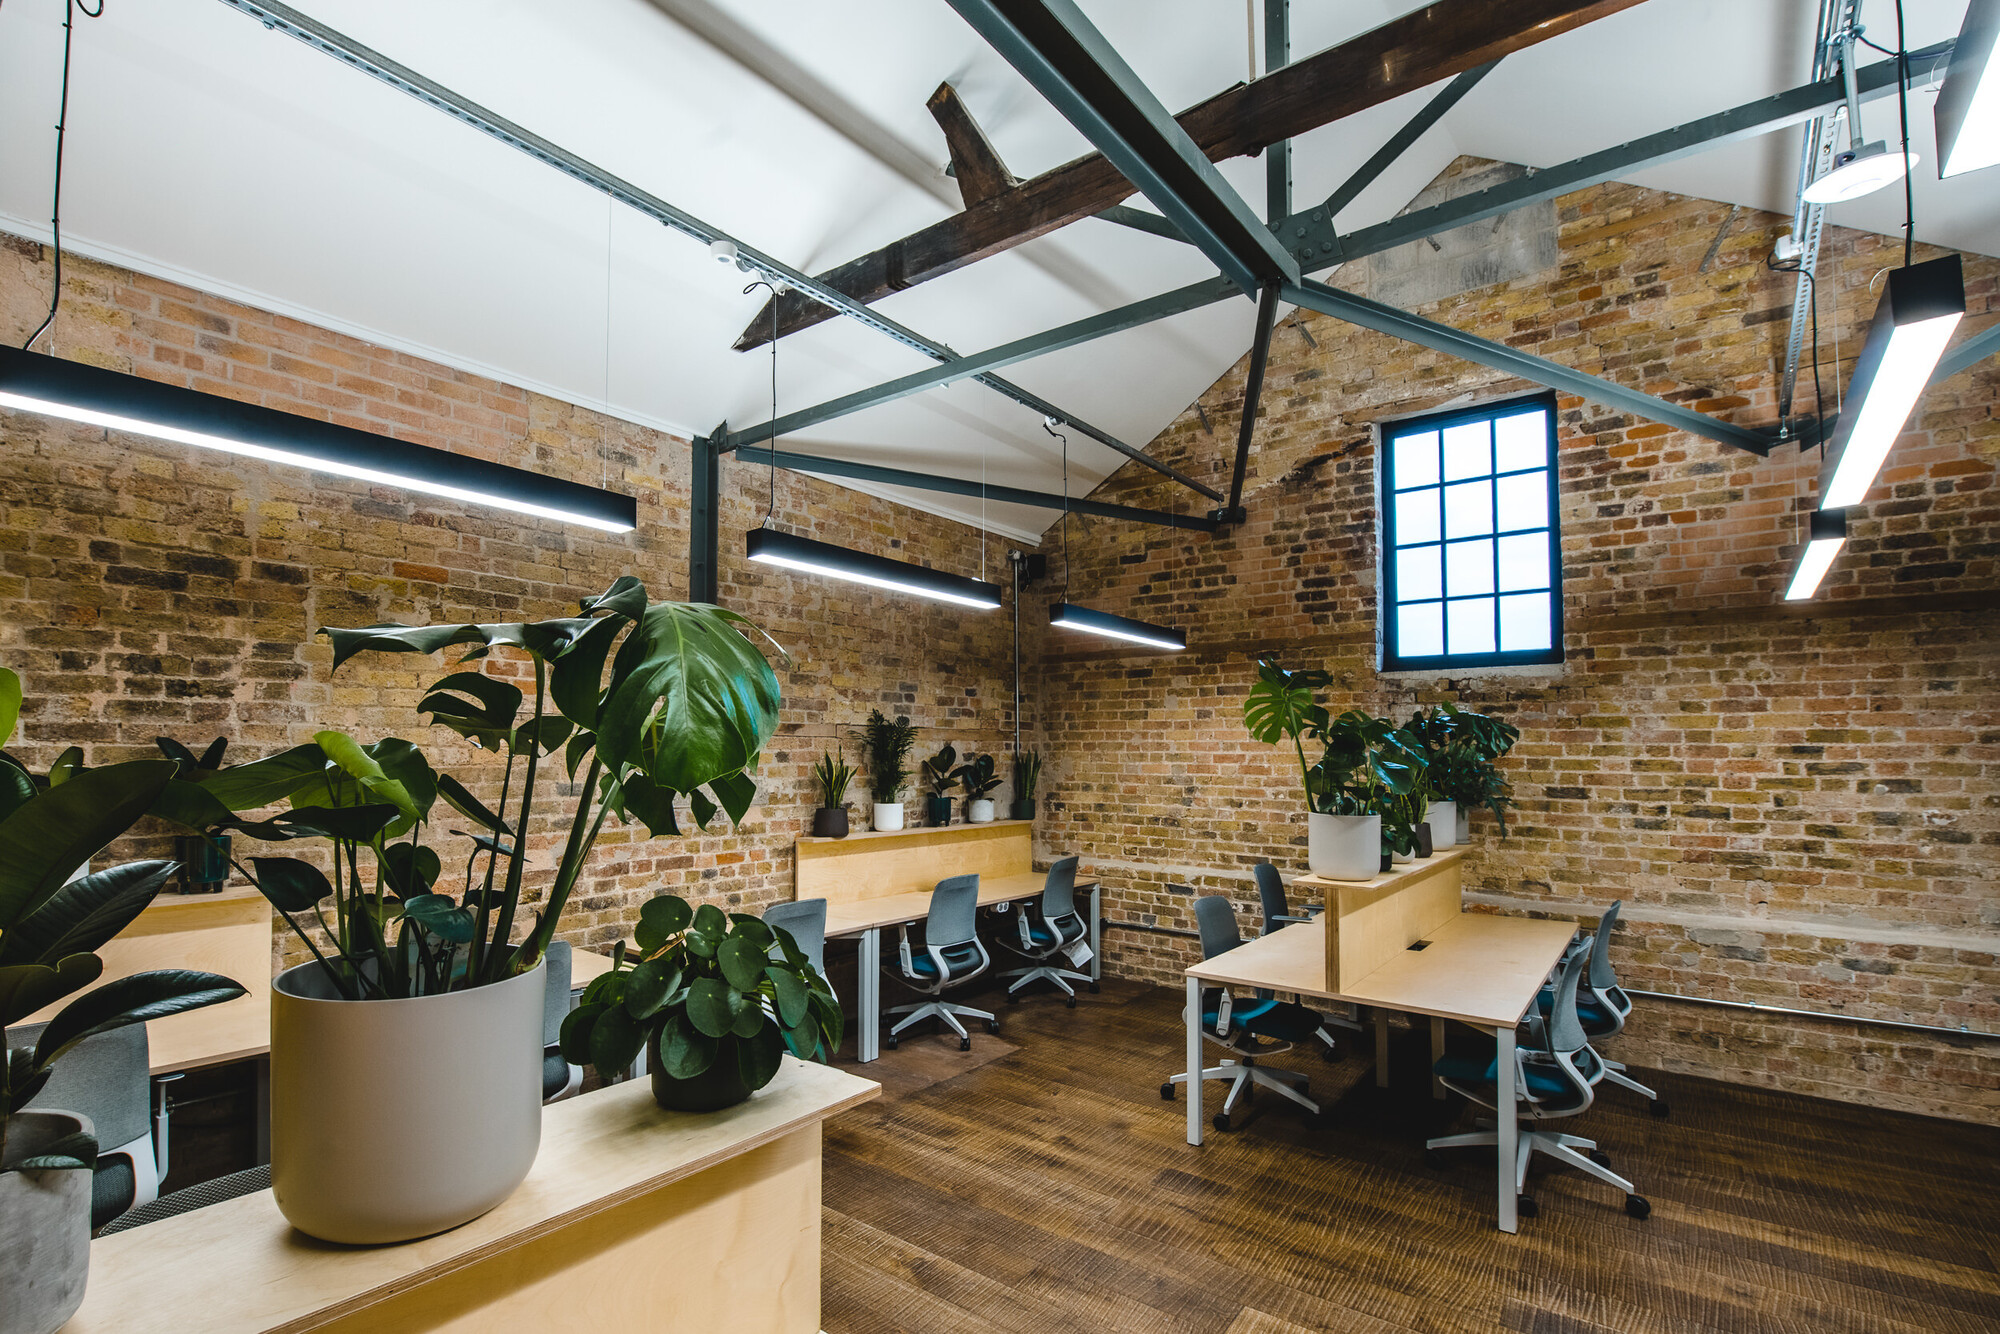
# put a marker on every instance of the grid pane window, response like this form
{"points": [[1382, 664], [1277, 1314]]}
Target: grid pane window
{"points": [[1471, 551]]}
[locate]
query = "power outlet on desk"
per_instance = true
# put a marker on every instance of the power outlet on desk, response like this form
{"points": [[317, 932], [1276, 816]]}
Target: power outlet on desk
{"points": [[1419, 945]]}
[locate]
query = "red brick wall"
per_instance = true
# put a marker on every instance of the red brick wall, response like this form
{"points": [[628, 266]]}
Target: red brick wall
{"points": [[1796, 809], [148, 589]]}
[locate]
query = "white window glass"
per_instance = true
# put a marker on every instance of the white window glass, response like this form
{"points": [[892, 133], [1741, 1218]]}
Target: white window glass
{"points": [[1416, 460], [1521, 441], [1420, 630], [1468, 509], [1524, 622], [1471, 626], [1524, 561], [1418, 574], [1469, 567], [1468, 451], [1416, 516], [1524, 501]]}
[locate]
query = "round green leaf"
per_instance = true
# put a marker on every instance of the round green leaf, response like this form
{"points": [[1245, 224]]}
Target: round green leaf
{"points": [[683, 1050], [709, 921], [576, 1026], [791, 993], [742, 961], [615, 1042], [708, 1007], [652, 982], [666, 914], [749, 1018], [758, 1057]]}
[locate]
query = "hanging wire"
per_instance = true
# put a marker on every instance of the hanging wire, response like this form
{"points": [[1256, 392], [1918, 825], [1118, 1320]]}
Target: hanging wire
{"points": [[70, 9], [1903, 114], [604, 439], [1065, 518], [772, 443]]}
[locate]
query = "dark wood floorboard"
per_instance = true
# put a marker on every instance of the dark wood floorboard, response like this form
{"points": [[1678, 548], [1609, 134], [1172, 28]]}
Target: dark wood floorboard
{"points": [[1039, 1183]]}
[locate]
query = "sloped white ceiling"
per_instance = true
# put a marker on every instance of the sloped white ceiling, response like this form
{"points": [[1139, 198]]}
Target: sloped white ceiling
{"points": [[203, 147]]}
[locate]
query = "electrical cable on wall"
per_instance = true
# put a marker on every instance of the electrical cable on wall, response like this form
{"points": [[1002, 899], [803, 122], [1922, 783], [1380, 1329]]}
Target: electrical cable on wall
{"points": [[70, 8]]}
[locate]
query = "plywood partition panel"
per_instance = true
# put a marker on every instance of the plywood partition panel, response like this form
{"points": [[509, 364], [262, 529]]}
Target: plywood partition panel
{"points": [[1369, 922], [908, 861]]}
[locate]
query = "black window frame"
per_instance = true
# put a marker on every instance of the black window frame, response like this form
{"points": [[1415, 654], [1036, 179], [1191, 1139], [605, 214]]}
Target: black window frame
{"points": [[1387, 608]]}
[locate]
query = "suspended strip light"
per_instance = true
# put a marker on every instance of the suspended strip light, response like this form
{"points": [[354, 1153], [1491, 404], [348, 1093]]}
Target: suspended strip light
{"points": [[33, 382], [1968, 105], [768, 546], [1920, 307], [1824, 540], [1071, 617]]}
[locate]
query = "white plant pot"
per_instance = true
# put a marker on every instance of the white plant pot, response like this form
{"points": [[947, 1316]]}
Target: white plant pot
{"points": [[979, 811], [1398, 858], [394, 1119], [1464, 824], [44, 1229], [1344, 847], [1442, 816], [888, 816]]}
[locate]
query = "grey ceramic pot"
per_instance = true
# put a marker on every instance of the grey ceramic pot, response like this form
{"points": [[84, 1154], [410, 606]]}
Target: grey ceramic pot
{"points": [[44, 1229], [394, 1119]]}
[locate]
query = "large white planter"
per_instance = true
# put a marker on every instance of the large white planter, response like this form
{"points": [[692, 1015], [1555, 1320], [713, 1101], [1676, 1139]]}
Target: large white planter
{"points": [[979, 811], [394, 1119], [888, 815], [44, 1229], [1442, 816], [1344, 847]]}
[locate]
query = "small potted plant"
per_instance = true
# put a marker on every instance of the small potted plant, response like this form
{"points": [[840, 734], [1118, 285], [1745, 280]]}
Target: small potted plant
{"points": [[832, 775], [940, 776], [1462, 748], [978, 778], [1027, 773], [715, 1001], [887, 743]]}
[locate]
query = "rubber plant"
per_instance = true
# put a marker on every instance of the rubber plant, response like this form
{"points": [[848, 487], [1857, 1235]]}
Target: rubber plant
{"points": [[707, 988], [978, 776], [51, 926], [681, 716]]}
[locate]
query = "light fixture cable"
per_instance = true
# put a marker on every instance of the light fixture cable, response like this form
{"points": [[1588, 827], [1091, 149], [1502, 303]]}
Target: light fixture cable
{"points": [[1903, 116], [70, 8], [771, 443], [1046, 426]]}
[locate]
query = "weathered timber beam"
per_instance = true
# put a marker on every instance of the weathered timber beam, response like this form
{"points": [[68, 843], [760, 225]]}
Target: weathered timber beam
{"points": [[975, 164]]}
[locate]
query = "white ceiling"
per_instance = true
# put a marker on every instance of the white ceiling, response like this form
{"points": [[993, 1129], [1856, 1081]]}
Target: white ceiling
{"points": [[205, 148]]}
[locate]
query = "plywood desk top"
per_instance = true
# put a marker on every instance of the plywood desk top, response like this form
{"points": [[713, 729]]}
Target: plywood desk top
{"points": [[1403, 873], [846, 919], [915, 831], [239, 1268], [1478, 969]]}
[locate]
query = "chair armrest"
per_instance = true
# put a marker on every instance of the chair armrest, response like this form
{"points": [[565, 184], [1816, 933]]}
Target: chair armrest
{"points": [[1287, 918], [903, 950]]}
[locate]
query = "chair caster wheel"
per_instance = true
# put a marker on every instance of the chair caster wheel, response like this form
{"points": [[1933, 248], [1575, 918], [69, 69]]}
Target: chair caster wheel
{"points": [[1332, 1055], [1658, 1108], [1221, 1121], [1434, 1160], [965, 1044], [993, 1025], [1167, 1091], [1600, 1157], [1636, 1206], [1094, 988], [1013, 998], [1070, 1003], [1525, 1206], [890, 1042]]}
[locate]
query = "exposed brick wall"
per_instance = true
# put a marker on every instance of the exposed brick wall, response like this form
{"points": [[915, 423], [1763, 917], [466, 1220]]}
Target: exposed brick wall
{"points": [[1797, 810], [147, 588]]}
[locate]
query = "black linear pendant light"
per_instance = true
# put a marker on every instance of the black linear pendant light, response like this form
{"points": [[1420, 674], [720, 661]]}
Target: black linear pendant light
{"points": [[33, 382], [1067, 615]]}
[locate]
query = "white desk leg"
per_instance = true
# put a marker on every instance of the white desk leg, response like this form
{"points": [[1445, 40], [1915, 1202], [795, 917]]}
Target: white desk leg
{"points": [[1381, 1048], [1509, 1128], [1437, 1054], [1096, 929], [1194, 1060], [867, 1042]]}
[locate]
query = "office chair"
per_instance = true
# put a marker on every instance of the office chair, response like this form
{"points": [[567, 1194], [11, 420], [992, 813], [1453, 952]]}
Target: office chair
{"points": [[108, 1078], [951, 954], [806, 920], [1602, 1006], [559, 1077], [1047, 929], [1271, 897], [1263, 1017], [1554, 1071]]}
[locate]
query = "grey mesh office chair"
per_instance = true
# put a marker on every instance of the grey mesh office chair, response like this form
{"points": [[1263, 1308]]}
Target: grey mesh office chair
{"points": [[559, 1077], [1046, 929], [1602, 1005], [950, 954], [1249, 1020], [108, 1078], [1277, 915], [1553, 1075], [806, 920]]}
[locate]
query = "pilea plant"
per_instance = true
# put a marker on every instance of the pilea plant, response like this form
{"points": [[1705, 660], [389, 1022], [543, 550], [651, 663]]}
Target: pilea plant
{"points": [[711, 994]]}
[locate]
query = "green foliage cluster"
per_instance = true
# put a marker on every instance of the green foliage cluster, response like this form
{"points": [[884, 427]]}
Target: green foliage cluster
{"points": [[887, 743], [1027, 774], [51, 925], [978, 776], [1461, 749], [941, 771], [833, 775], [681, 715], [707, 988]]}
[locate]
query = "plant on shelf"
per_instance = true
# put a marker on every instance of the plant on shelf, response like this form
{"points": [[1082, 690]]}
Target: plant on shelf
{"points": [[715, 1001], [1463, 748], [887, 743], [1027, 774], [977, 777], [646, 707], [51, 926], [833, 775], [940, 773]]}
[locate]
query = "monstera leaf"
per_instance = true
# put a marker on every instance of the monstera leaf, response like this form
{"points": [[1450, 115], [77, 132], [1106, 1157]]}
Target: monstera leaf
{"points": [[1280, 705], [692, 699]]}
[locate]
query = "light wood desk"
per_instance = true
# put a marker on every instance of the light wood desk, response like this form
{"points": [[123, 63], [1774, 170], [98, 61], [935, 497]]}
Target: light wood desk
{"points": [[622, 1197], [1475, 968], [874, 880]]}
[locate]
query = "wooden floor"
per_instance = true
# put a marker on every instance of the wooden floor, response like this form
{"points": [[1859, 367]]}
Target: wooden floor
{"points": [[1038, 1183]]}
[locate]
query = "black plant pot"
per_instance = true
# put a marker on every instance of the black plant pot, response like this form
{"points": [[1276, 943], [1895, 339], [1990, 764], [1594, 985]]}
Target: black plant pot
{"points": [[721, 1085], [204, 862], [1388, 862], [1424, 848], [1021, 810], [829, 822], [937, 811]]}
